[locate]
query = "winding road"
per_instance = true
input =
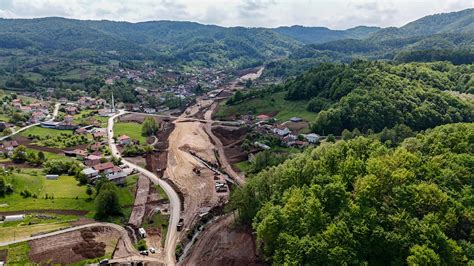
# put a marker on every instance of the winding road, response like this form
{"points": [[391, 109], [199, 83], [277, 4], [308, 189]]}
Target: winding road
{"points": [[172, 234]]}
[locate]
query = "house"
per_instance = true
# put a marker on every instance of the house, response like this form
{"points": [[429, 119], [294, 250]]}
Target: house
{"points": [[312, 138], [81, 131], [281, 131], [261, 145], [90, 172], [262, 117], [68, 118], [99, 135], [97, 146], [124, 140], [117, 177], [80, 154], [71, 110], [296, 119], [102, 167], [149, 110], [92, 160]]}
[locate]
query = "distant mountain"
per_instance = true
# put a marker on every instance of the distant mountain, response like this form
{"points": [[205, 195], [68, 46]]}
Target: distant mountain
{"points": [[441, 37], [315, 35], [169, 41]]}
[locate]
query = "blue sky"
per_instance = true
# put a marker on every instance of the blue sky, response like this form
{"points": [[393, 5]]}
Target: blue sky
{"points": [[252, 13]]}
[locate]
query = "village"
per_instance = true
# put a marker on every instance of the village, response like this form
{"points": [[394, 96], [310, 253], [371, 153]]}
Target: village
{"points": [[69, 146]]}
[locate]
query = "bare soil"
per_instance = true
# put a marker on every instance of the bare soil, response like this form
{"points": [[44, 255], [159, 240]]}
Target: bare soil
{"points": [[232, 138], [141, 196], [221, 243], [73, 246]]}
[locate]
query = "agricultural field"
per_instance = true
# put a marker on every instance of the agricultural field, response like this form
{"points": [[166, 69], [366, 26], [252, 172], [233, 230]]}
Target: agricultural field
{"points": [[131, 129], [274, 104]]}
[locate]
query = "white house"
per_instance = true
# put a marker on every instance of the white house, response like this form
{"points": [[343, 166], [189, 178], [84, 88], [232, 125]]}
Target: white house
{"points": [[312, 138]]}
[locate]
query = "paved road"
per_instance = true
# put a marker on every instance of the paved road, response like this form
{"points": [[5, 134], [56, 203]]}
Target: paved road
{"points": [[175, 204], [55, 113]]}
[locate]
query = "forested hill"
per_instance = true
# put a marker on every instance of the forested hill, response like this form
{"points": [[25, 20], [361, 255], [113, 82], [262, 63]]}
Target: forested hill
{"points": [[373, 95], [442, 37], [309, 35], [359, 202], [163, 40]]}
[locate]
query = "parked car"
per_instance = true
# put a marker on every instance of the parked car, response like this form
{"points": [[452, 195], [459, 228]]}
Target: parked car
{"points": [[152, 250], [144, 252], [104, 262]]}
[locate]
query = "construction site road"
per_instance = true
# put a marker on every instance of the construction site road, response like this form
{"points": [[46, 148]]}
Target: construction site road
{"points": [[175, 204]]}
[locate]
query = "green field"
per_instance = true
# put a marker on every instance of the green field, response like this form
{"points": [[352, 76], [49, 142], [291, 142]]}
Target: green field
{"points": [[270, 104], [4, 118], [131, 129], [44, 132], [66, 192]]}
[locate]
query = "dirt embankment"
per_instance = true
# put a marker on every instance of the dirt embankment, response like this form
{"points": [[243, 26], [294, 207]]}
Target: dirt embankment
{"points": [[231, 139], [73, 246], [222, 243]]}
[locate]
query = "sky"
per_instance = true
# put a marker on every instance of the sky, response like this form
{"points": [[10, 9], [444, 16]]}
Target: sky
{"points": [[335, 14]]}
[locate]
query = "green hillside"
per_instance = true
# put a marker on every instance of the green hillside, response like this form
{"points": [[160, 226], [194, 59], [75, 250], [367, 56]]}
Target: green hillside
{"points": [[362, 203]]}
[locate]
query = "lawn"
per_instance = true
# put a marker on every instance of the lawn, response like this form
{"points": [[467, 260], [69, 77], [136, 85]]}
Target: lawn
{"points": [[271, 104], [4, 118], [44, 132], [65, 191], [131, 129]]}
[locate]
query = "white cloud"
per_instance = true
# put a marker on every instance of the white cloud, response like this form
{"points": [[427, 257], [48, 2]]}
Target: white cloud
{"points": [[336, 14]]}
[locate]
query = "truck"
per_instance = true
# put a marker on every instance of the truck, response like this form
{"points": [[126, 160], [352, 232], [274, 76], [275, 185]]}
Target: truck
{"points": [[180, 225]]}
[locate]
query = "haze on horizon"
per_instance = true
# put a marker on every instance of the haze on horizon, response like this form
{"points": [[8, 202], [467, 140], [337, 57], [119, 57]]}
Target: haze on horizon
{"points": [[250, 13]]}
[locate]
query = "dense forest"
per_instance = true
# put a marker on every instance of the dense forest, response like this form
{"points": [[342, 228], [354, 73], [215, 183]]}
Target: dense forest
{"points": [[312, 35], [164, 41], [441, 37], [362, 202], [373, 95]]}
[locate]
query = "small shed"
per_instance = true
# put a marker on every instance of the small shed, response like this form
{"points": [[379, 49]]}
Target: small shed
{"points": [[13, 218], [52, 177], [296, 119]]}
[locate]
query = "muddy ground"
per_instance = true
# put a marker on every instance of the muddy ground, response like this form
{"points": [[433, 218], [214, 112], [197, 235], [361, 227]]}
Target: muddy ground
{"points": [[74, 246], [223, 243]]}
